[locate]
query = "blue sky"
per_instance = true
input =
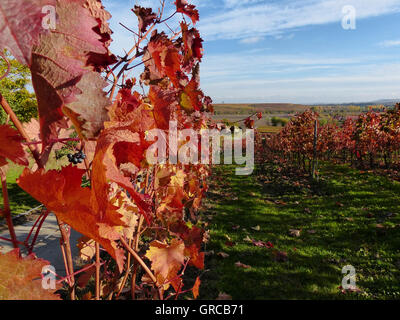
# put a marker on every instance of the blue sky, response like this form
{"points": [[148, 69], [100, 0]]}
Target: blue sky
{"points": [[288, 50]]}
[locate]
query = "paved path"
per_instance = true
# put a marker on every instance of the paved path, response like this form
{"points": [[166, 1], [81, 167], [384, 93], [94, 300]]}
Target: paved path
{"points": [[48, 242]]}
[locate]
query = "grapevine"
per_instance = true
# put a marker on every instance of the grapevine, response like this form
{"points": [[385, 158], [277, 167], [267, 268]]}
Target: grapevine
{"points": [[125, 201]]}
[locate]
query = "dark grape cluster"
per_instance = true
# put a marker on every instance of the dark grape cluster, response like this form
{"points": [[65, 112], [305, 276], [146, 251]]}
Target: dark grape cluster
{"points": [[76, 158]]}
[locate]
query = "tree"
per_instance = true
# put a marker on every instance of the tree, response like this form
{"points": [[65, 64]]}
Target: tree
{"points": [[15, 89]]}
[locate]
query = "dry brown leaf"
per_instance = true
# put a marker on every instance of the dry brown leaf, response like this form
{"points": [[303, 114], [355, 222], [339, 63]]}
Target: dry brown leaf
{"points": [[294, 232], [242, 265], [223, 296], [223, 255]]}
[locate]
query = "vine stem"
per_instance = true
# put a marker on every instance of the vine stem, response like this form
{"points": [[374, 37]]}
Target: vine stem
{"points": [[110, 72], [53, 141], [6, 209], [65, 238], [133, 280], [139, 259], [136, 46], [66, 245], [97, 271], [127, 271]]}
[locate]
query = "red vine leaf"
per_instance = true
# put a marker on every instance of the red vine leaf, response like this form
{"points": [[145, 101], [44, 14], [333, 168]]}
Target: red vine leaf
{"points": [[193, 239], [116, 146], [100, 61], [21, 25], [32, 129], [60, 61], [146, 17], [83, 279], [165, 59], [124, 105], [20, 279], [89, 111], [11, 147], [164, 103], [182, 6], [192, 46]]}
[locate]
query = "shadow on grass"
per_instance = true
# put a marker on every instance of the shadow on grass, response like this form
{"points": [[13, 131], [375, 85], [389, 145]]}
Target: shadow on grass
{"points": [[345, 218]]}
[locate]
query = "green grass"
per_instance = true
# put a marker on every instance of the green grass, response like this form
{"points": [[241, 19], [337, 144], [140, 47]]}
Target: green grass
{"points": [[20, 201], [342, 211]]}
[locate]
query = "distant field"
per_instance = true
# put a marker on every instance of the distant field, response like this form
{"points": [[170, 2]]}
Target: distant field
{"points": [[263, 107], [269, 129], [235, 113], [289, 108]]}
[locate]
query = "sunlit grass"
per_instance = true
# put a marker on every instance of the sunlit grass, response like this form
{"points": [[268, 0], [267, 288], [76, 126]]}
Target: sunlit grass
{"points": [[338, 218], [20, 201]]}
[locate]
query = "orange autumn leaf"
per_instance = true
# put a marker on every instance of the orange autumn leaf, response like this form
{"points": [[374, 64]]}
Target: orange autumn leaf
{"points": [[196, 287], [166, 260], [191, 97], [61, 192], [124, 105], [193, 239], [196, 257], [165, 59], [117, 146], [163, 102], [20, 278], [11, 147]]}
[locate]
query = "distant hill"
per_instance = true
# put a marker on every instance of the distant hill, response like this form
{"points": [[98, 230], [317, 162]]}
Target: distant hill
{"points": [[289, 108], [385, 102]]}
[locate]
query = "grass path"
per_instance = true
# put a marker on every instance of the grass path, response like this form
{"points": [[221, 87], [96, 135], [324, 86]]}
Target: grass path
{"points": [[348, 218]]}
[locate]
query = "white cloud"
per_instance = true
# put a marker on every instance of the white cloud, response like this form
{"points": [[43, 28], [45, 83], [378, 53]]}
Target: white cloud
{"points": [[390, 43], [239, 3], [335, 89], [263, 77], [271, 18], [260, 64], [251, 40]]}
